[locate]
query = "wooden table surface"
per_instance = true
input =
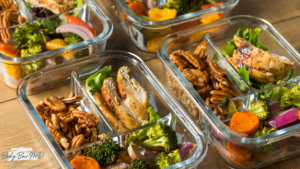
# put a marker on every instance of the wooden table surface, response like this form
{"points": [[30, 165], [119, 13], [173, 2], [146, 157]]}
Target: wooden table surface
{"points": [[15, 131]]}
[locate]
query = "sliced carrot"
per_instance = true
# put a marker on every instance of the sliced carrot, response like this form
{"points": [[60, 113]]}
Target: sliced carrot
{"points": [[238, 151], [138, 8], [206, 6], [186, 26], [244, 122], [83, 162], [79, 21], [299, 114]]}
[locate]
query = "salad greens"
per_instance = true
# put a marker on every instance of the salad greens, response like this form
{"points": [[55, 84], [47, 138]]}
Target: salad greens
{"points": [[94, 83]]}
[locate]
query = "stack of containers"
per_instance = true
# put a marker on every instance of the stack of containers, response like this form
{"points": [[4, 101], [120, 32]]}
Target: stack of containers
{"points": [[90, 12], [146, 34], [76, 73], [213, 128]]}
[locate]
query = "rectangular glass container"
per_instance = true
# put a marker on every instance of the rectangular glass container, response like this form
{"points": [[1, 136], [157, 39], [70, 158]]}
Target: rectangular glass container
{"points": [[91, 13], [146, 34], [215, 131], [43, 84]]}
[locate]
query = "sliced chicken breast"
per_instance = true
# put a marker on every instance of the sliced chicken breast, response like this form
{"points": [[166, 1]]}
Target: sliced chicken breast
{"points": [[55, 6], [254, 74], [113, 100], [110, 116], [133, 94], [262, 61]]}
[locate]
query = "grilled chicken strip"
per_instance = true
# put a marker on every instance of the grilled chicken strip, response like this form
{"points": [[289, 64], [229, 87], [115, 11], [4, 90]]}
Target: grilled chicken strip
{"points": [[133, 94], [256, 58], [110, 116], [56, 6], [254, 74], [112, 98]]}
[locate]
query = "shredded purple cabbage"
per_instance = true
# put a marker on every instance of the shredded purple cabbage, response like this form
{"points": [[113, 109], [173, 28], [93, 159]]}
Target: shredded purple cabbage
{"points": [[41, 12]]}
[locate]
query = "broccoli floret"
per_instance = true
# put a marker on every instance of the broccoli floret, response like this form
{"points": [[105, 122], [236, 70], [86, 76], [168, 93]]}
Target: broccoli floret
{"points": [[138, 164], [32, 49], [160, 137], [291, 98], [30, 33], [30, 67], [72, 38], [227, 105], [163, 160], [181, 6], [269, 147], [106, 152], [261, 109]]}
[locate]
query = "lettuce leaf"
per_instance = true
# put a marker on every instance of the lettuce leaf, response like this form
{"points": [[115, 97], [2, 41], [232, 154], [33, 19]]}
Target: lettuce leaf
{"points": [[247, 34], [94, 82], [243, 72]]}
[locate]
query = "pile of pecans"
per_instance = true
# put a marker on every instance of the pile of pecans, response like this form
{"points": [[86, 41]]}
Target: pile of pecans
{"points": [[209, 80], [69, 126], [9, 15]]}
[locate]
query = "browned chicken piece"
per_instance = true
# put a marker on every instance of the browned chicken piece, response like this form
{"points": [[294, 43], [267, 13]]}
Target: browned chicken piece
{"points": [[110, 116], [113, 100], [262, 61], [133, 94], [56, 6], [254, 74]]}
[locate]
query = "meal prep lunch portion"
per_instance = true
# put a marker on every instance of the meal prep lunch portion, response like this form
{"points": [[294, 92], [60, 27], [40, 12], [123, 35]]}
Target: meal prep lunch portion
{"points": [[147, 22]]}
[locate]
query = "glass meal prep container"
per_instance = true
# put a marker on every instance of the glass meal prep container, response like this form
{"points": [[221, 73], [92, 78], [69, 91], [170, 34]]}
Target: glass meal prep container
{"points": [[146, 34], [216, 133], [12, 68], [41, 84]]}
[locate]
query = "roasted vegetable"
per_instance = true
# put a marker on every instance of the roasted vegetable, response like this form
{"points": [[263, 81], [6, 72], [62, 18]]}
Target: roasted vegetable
{"points": [[138, 164], [72, 38], [30, 33], [30, 67], [160, 137], [163, 160], [227, 105], [106, 152], [291, 98], [181, 6], [84, 162], [261, 109], [32, 49], [269, 147], [161, 14], [244, 122]]}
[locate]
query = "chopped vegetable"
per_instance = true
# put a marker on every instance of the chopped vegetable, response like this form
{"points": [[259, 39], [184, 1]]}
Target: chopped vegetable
{"points": [[134, 153], [72, 38], [163, 160], [138, 164], [281, 119], [227, 105], [244, 122], [30, 67], [260, 108], [181, 6], [32, 49], [13, 70], [137, 8], [275, 107], [269, 147], [79, 21], [83, 162], [162, 14], [106, 152], [206, 6], [210, 18], [153, 43], [41, 12], [291, 98], [9, 50], [194, 5], [160, 137], [185, 149], [237, 154], [59, 43], [274, 94]]}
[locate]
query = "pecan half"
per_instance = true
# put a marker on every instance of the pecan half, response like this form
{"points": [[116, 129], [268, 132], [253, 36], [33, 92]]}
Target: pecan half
{"points": [[195, 76], [44, 112], [72, 99], [86, 132], [214, 83], [64, 143], [93, 136], [86, 118], [179, 60], [63, 126], [192, 59], [55, 121], [55, 104], [217, 69], [77, 141], [200, 50]]}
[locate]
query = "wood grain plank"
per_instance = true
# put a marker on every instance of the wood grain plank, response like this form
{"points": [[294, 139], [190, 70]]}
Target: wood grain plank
{"points": [[16, 133], [6, 93], [272, 10]]}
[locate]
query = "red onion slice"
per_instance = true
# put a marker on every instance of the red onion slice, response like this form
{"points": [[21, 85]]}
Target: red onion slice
{"points": [[283, 118]]}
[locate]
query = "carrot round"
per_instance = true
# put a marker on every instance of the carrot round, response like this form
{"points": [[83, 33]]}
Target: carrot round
{"points": [[299, 114], [138, 8], [239, 152], [244, 122], [83, 162]]}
